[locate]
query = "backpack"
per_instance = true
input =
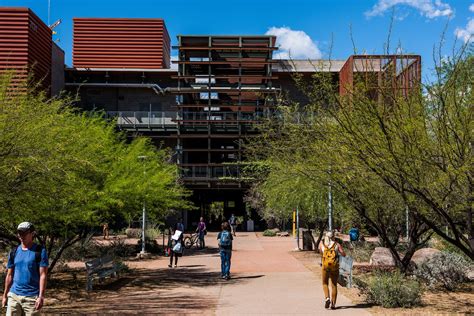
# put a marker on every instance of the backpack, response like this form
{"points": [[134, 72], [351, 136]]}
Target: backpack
{"points": [[225, 238], [330, 258], [354, 234], [38, 250]]}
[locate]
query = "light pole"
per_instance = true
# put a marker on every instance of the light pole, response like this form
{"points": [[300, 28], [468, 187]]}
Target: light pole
{"points": [[142, 158]]}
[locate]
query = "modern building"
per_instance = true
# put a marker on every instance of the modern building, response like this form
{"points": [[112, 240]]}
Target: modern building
{"points": [[208, 106]]}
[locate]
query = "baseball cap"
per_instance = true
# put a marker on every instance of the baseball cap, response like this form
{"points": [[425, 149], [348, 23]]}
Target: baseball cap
{"points": [[25, 226]]}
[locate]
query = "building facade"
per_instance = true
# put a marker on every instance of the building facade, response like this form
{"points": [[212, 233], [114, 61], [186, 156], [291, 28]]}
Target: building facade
{"points": [[209, 105]]}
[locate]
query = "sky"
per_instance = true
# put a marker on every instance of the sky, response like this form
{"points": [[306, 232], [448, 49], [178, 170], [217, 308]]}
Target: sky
{"points": [[305, 29]]}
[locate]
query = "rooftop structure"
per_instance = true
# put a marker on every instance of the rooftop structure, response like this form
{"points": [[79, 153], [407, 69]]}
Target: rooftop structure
{"points": [[121, 43]]}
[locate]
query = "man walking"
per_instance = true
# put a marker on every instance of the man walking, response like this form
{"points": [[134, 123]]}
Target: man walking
{"points": [[25, 282]]}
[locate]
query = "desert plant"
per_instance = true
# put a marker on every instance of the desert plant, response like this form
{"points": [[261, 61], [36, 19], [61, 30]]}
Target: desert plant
{"points": [[359, 250], [119, 248], [445, 269], [391, 290], [269, 233]]}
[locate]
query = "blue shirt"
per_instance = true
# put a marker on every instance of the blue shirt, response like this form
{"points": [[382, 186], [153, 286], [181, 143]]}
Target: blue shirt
{"points": [[26, 274]]}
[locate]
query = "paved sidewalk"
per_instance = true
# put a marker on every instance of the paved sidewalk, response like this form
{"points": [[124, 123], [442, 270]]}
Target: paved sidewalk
{"points": [[276, 283], [266, 280]]}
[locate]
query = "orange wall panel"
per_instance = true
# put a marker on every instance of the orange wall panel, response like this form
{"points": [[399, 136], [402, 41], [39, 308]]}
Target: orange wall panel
{"points": [[120, 43]]}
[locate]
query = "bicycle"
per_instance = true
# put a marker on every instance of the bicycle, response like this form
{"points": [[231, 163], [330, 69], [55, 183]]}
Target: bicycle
{"points": [[191, 240]]}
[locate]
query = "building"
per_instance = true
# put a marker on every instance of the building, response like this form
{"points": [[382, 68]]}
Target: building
{"points": [[206, 108]]}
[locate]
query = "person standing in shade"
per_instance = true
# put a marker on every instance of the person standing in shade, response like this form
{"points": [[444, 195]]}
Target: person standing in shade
{"points": [[176, 244], [330, 250], [233, 223], [225, 248], [201, 230], [25, 282]]}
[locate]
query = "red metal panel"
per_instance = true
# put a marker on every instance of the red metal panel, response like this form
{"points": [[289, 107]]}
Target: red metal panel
{"points": [[400, 74], [25, 44], [121, 43]]}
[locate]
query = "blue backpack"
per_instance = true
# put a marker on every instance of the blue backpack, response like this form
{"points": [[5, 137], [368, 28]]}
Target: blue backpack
{"points": [[225, 238], [354, 234]]}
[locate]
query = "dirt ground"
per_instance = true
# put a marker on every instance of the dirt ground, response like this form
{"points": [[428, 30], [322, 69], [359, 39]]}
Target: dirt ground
{"points": [[437, 303]]}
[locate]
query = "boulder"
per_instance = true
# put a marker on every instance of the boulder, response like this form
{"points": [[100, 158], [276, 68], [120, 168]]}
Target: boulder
{"points": [[382, 257], [421, 255], [470, 275]]}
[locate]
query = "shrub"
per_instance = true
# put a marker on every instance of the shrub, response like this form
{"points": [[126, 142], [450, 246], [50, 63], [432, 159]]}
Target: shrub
{"points": [[119, 248], [359, 250], [86, 248], [391, 290], [133, 232], [269, 233], [445, 269]]}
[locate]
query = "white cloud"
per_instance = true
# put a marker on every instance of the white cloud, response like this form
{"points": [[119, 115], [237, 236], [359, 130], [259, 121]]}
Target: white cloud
{"points": [[294, 44], [429, 8], [466, 34]]}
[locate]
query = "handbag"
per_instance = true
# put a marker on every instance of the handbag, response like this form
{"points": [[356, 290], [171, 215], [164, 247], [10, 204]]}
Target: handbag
{"points": [[178, 248]]}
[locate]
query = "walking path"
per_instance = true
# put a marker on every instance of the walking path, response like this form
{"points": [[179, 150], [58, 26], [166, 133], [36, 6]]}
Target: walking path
{"points": [[266, 279]]}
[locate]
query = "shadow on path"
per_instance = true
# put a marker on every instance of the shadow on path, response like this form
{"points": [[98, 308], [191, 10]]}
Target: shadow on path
{"points": [[165, 291]]}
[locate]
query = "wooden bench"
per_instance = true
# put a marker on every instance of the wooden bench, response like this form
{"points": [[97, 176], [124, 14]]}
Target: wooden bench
{"points": [[345, 271], [100, 268]]}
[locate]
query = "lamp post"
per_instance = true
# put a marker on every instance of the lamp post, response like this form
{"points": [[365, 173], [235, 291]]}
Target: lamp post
{"points": [[142, 158]]}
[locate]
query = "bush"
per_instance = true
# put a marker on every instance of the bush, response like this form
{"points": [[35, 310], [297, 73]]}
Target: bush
{"points": [[85, 248], [359, 250], [391, 289], [269, 233], [118, 248], [445, 269]]}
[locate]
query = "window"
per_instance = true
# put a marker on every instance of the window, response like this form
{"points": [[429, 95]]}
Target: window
{"points": [[205, 96]]}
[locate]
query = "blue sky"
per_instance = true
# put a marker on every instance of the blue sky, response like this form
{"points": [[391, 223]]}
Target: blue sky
{"points": [[306, 28]]}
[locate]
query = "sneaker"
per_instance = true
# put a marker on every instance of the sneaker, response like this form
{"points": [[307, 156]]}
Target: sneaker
{"points": [[222, 276], [333, 306], [227, 277], [169, 266], [326, 304], [175, 265]]}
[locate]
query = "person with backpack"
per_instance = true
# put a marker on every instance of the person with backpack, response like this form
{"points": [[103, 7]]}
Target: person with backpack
{"points": [[225, 248], [233, 223], [330, 250], [25, 282], [201, 230], [175, 244]]}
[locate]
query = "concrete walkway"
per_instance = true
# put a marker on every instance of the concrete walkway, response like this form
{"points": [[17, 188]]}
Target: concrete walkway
{"points": [[277, 283], [266, 280]]}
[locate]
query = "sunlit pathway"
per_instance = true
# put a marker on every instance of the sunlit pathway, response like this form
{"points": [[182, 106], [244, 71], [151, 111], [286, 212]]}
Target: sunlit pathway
{"points": [[266, 279], [275, 282]]}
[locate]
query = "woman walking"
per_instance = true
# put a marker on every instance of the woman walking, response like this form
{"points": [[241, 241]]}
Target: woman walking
{"points": [[176, 245], [201, 230], [225, 247], [330, 250]]}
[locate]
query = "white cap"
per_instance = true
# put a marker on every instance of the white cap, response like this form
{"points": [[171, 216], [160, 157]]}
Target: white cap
{"points": [[25, 226]]}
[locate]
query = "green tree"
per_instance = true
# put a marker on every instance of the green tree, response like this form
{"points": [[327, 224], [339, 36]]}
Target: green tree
{"points": [[66, 172]]}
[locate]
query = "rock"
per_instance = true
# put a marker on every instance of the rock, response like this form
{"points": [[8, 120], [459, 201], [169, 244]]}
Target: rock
{"points": [[382, 257], [470, 275], [283, 234], [276, 230], [423, 254]]}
